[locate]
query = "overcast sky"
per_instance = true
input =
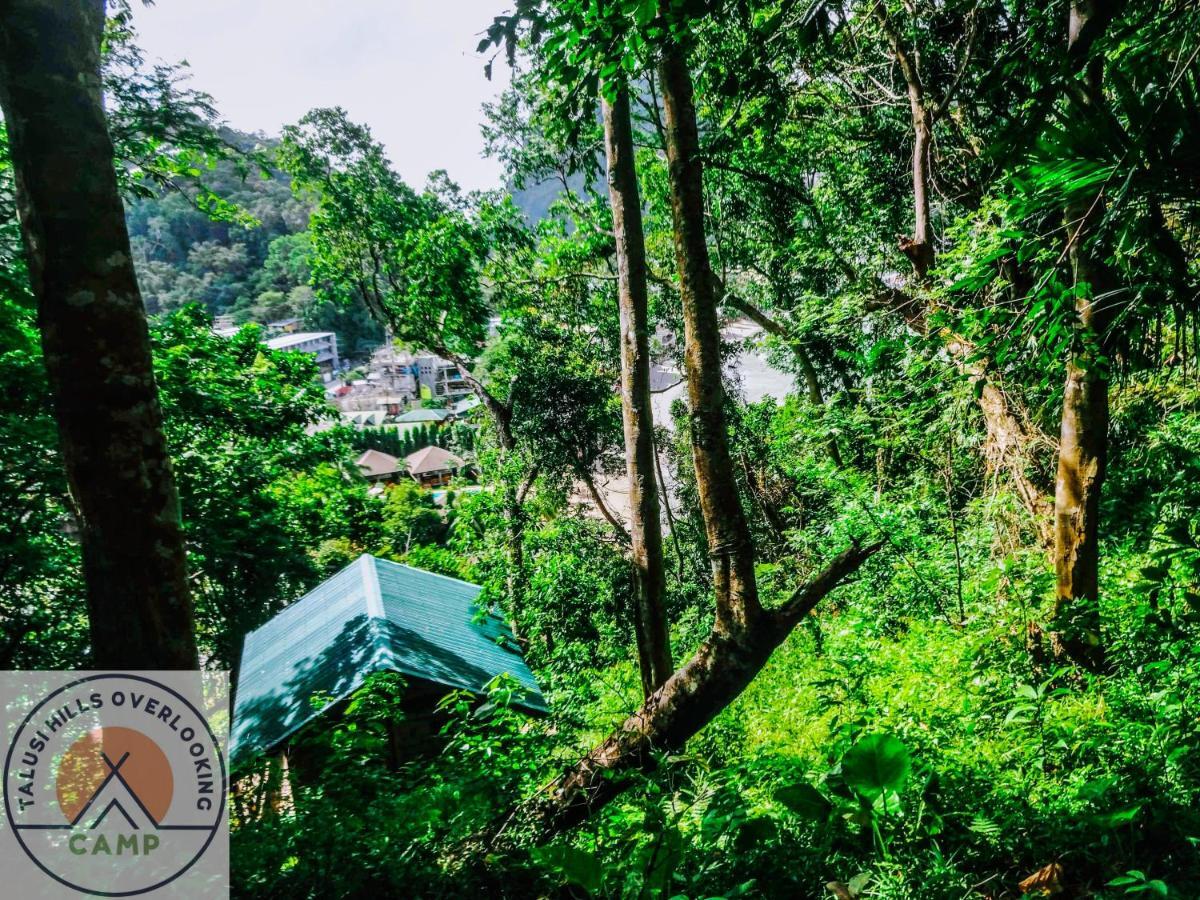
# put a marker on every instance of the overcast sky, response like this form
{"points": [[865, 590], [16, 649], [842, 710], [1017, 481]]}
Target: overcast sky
{"points": [[407, 68]]}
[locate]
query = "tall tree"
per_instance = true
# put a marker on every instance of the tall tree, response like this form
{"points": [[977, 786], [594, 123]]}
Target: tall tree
{"points": [[415, 261], [1011, 440], [1083, 439], [95, 339], [744, 633], [645, 524]]}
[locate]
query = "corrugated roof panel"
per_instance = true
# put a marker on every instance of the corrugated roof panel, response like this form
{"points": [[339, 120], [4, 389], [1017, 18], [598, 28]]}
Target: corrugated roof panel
{"points": [[374, 615], [447, 642]]}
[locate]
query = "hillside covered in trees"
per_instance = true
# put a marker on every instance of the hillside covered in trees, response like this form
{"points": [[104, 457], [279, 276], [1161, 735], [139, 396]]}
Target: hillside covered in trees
{"points": [[927, 627]]}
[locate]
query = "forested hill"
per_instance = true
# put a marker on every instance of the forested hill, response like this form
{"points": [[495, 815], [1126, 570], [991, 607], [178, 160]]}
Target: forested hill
{"points": [[238, 245], [235, 240]]}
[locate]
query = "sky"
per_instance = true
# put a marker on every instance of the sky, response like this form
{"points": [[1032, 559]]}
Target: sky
{"points": [[406, 68]]}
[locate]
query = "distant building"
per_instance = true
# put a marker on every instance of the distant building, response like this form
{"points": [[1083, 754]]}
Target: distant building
{"points": [[392, 378], [439, 379], [664, 339], [366, 418], [420, 416], [379, 466], [433, 466], [465, 406], [321, 344], [283, 326]]}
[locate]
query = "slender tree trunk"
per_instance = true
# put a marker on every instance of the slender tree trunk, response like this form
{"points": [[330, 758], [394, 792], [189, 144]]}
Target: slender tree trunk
{"points": [[645, 522], [95, 340], [729, 543], [1009, 442], [1083, 442], [921, 251], [919, 248], [744, 634], [666, 505]]}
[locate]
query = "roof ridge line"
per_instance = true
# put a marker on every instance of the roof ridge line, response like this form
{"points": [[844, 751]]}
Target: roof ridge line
{"points": [[374, 595]]}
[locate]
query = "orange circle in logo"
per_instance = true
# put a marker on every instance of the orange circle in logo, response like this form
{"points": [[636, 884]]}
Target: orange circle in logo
{"points": [[118, 760]]}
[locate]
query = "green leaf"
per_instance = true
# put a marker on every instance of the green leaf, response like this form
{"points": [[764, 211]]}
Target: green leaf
{"points": [[1027, 691], [577, 867], [1119, 817], [877, 763], [805, 801], [858, 883]]}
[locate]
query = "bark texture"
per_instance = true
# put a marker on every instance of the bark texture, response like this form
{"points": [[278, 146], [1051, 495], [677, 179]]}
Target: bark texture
{"points": [[729, 543], [1083, 441], [95, 340], [645, 522], [722, 667], [919, 248]]}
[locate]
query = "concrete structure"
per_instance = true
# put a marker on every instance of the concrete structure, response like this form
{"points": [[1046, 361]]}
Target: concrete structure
{"points": [[321, 344], [392, 376], [283, 326], [439, 379]]}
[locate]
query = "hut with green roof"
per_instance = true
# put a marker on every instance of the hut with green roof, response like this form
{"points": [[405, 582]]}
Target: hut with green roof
{"points": [[373, 616]]}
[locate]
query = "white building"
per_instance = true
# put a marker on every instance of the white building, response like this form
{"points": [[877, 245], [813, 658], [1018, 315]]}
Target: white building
{"points": [[321, 344]]}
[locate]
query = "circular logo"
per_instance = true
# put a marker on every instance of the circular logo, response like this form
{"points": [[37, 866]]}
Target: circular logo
{"points": [[115, 783]]}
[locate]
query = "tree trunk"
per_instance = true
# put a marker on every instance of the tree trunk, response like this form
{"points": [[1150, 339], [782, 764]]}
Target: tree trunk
{"points": [[722, 667], [95, 340], [645, 522], [743, 634], [729, 543], [1083, 442], [919, 248], [1009, 441], [514, 499]]}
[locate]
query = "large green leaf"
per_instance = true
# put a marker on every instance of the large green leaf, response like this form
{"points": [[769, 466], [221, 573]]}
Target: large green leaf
{"points": [[877, 763], [804, 800]]}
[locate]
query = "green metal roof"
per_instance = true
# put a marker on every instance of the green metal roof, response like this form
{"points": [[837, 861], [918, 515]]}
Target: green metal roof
{"points": [[425, 415], [374, 615]]}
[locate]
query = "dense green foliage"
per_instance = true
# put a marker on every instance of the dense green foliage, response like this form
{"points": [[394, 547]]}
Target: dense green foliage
{"points": [[924, 733], [251, 261]]}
